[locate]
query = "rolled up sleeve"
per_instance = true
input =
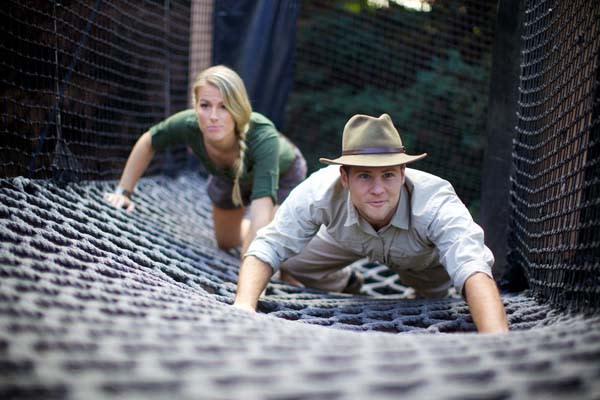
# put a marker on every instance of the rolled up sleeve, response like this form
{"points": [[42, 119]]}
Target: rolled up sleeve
{"points": [[266, 170], [460, 242], [294, 225]]}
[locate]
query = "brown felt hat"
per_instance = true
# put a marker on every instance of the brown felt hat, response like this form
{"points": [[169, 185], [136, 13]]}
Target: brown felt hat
{"points": [[372, 142]]}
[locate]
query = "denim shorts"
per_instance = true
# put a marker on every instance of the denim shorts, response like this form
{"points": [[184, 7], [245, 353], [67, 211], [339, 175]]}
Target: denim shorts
{"points": [[219, 189]]}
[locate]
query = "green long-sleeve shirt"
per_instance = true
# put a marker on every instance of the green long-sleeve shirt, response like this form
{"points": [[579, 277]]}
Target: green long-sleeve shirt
{"points": [[268, 154]]}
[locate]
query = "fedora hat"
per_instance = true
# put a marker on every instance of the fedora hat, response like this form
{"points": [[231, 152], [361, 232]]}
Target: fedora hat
{"points": [[372, 142]]}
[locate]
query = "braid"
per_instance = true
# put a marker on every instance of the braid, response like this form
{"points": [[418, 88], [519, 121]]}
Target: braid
{"points": [[237, 103], [238, 166]]}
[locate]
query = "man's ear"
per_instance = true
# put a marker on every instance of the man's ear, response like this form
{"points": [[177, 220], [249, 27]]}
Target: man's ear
{"points": [[343, 177], [403, 172]]}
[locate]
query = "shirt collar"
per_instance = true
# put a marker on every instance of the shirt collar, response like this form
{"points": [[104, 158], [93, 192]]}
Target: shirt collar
{"points": [[351, 213], [402, 217]]}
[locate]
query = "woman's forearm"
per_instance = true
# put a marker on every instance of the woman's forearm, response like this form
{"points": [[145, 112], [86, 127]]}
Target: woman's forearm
{"points": [[138, 161]]}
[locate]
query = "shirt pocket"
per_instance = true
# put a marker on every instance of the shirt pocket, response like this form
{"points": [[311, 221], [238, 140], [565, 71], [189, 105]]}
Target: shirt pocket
{"points": [[355, 246], [351, 240], [413, 256]]}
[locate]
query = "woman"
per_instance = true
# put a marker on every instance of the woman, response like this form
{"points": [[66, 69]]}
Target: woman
{"points": [[249, 162]]}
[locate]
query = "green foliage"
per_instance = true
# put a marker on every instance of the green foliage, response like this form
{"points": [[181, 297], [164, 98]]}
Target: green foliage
{"points": [[354, 58]]}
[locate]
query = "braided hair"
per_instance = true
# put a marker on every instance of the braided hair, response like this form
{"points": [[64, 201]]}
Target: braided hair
{"points": [[235, 99]]}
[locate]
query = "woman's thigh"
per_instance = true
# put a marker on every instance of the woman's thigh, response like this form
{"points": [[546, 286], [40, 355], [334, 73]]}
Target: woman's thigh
{"points": [[292, 177]]}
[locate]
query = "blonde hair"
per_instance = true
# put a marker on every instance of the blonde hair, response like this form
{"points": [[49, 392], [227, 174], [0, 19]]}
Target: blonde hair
{"points": [[235, 99]]}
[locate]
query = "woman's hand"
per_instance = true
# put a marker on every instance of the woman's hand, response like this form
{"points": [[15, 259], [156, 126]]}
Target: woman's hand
{"points": [[244, 307], [138, 161], [118, 200]]}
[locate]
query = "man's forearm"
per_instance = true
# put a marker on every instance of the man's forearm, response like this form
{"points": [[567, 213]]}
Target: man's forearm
{"points": [[485, 304], [261, 213], [253, 278]]}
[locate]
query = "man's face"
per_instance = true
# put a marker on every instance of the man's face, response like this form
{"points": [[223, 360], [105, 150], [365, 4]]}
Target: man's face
{"points": [[374, 191]]}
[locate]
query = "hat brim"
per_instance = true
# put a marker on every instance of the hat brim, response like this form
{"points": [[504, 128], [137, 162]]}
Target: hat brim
{"points": [[374, 160]]}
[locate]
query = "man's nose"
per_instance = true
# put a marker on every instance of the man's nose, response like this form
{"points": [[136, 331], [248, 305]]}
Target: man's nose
{"points": [[377, 187]]}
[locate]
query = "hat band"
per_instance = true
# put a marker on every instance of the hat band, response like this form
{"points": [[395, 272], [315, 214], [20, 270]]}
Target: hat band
{"points": [[373, 150]]}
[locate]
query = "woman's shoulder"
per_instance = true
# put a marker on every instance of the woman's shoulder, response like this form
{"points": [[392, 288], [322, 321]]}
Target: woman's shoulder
{"points": [[261, 126], [261, 130], [181, 127], [259, 119], [187, 117], [178, 122]]}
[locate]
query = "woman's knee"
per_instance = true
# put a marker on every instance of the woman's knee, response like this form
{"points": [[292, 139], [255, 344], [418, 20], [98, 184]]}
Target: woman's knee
{"points": [[228, 240], [226, 224]]}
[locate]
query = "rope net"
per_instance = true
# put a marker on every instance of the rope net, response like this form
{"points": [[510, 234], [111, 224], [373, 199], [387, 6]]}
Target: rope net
{"points": [[82, 80], [98, 303], [555, 191]]}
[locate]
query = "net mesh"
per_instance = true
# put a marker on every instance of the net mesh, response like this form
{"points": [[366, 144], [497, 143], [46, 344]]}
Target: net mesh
{"points": [[81, 80], [555, 191], [200, 41], [99, 303], [428, 68]]}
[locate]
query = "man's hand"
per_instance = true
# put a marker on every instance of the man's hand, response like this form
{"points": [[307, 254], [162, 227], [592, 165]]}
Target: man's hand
{"points": [[253, 278], [485, 304]]}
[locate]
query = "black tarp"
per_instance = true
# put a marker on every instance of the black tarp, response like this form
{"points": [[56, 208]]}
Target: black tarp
{"points": [[502, 119], [257, 39]]}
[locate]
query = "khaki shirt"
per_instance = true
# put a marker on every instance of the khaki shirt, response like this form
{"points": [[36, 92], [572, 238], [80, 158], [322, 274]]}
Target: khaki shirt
{"points": [[431, 226]]}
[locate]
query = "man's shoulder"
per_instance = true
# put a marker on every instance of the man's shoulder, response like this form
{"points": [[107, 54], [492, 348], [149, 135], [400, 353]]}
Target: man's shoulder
{"points": [[324, 184], [428, 192], [330, 172], [425, 183], [424, 177]]}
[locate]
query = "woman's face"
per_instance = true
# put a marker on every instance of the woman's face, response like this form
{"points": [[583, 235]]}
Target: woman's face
{"points": [[216, 123]]}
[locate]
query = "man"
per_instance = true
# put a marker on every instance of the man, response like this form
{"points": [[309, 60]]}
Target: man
{"points": [[373, 206]]}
